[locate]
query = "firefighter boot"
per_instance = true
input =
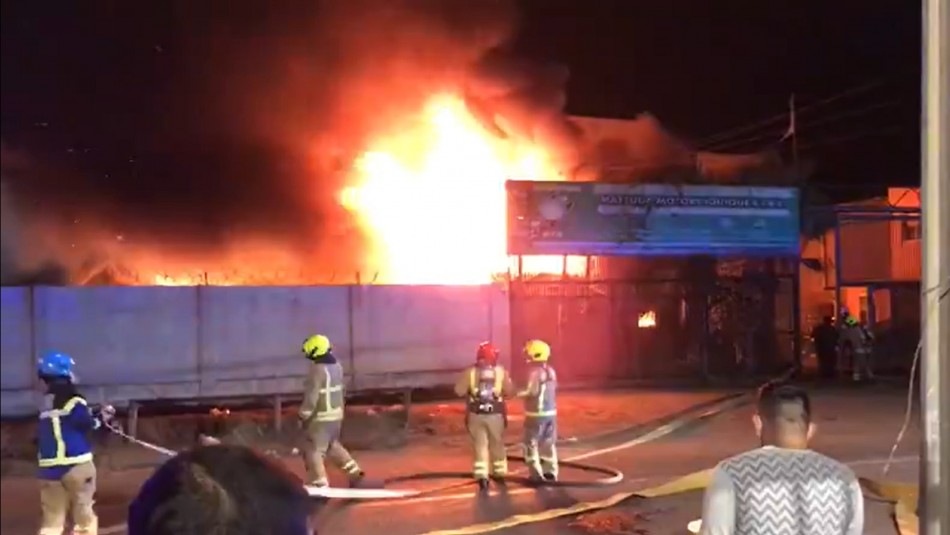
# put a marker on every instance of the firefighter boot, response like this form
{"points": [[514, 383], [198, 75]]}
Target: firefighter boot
{"points": [[483, 484], [357, 480]]}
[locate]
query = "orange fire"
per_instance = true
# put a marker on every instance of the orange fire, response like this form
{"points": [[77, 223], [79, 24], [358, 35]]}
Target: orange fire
{"points": [[432, 199], [647, 320]]}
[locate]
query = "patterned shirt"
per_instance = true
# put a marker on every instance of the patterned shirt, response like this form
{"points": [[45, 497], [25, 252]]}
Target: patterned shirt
{"points": [[777, 491]]}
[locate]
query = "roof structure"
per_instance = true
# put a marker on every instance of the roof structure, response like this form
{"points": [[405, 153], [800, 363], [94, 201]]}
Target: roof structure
{"points": [[642, 149]]}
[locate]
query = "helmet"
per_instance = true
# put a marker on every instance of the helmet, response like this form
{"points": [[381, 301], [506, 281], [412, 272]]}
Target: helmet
{"points": [[537, 351], [55, 364], [316, 346], [850, 321], [486, 353]]}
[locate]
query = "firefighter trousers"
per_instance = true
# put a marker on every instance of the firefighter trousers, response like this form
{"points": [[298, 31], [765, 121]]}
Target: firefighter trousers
{"points": [[488, 445], [322, 443], [861, 368], [76, 490], [540, 450]]}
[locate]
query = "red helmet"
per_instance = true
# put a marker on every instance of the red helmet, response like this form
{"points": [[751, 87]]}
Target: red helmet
{"points": [[486, 353]]}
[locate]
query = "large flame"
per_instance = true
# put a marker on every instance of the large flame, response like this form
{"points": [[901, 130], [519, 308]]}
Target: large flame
{"points": [[432, 199]]}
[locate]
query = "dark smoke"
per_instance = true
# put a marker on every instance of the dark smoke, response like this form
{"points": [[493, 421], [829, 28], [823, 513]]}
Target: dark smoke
{"points": [[517, 97], [235, 131]]}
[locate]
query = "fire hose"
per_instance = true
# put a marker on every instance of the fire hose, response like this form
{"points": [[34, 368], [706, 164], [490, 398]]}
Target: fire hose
{"points": [[610, 477]]}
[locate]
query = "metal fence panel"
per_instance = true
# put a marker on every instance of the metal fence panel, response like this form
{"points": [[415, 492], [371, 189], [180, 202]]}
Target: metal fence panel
{"points": [[17, 366], [129, 342], [426, 331], [250, 337]]}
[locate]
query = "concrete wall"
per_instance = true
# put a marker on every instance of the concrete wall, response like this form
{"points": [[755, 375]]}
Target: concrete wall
{"points": [[148, 343]]}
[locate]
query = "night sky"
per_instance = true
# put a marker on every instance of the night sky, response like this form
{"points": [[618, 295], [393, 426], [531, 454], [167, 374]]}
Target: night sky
{"points": [[707, 68], [121, 96]]}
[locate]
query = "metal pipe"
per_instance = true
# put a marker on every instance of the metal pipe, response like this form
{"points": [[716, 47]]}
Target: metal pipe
{"points": [[935, 310]]}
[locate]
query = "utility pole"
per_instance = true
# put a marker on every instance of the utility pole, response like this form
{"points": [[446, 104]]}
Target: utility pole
{"points": [[935, 304], [793, 132], [796, 270]]}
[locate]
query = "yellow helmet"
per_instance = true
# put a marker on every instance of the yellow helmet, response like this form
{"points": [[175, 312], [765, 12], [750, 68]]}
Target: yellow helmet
{"points": [[316, 346], [537, 351]]}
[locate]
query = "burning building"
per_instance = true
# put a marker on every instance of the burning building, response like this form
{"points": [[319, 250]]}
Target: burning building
{"points": [[406, 134]]}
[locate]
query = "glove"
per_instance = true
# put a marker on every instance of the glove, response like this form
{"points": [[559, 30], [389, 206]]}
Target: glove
{"points": [[102, 415]]}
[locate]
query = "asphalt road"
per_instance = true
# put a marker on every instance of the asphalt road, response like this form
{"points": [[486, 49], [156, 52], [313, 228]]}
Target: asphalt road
{"points": [[855, 425]]}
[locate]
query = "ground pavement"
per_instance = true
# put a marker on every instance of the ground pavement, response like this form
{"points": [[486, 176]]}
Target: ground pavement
{"points": [[855, 425]]}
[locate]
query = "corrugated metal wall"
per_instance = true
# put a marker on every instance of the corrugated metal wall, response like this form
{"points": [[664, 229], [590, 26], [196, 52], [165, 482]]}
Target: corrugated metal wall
{"points": [[144, 343]]}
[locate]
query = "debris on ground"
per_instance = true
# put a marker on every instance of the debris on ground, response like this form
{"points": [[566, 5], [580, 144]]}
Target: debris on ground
{"points": [[612, 522]]}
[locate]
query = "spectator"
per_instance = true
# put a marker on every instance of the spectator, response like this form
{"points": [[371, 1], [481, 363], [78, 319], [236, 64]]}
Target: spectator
{"points": [[783, 488], [221, 490]]}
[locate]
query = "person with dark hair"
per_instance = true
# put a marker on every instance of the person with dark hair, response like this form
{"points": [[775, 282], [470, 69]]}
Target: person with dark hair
{"points": [[825, 339], [783, 488], [221, 490], [66, 471]]}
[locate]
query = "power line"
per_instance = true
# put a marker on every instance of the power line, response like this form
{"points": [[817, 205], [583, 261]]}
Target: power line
{"points": [[727, 134], [821, 121], [885, 131]]}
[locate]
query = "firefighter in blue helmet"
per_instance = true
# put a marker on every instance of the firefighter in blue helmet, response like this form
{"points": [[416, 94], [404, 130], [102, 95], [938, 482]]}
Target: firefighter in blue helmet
{"points": [[540, 413], [66, 470]]}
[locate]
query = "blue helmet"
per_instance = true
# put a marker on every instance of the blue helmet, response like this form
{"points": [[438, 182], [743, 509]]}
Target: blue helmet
{"points": [[55, 364]]}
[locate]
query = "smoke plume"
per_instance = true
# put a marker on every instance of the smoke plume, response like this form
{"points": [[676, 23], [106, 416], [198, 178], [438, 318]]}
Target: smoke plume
{"points": [[236, 151]]}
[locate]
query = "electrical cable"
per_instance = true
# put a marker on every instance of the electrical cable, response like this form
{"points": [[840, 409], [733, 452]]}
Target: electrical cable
{"points": [[880, 131], [913, 373], [724, 136], [726, 145]]}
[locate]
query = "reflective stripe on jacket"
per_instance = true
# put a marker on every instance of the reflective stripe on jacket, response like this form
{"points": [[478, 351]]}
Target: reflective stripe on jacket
{"points": [[323, 393], [540, 401], [858, 336], [61, 434]]}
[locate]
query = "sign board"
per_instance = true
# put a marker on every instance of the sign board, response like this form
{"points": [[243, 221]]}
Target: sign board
{"points": [[590, 218]]}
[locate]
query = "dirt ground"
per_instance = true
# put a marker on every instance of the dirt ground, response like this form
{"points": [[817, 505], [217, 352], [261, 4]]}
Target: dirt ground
{"points": [[429, 425]]}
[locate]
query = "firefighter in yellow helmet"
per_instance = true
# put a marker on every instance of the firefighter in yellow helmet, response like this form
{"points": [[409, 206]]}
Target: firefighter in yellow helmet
{"points": [[856, 338], [486, 385], [540, 413], [321, 414]]}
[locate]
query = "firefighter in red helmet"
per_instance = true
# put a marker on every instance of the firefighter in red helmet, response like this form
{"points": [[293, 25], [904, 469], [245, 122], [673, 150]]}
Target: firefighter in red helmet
{"points": [[486, 385]]}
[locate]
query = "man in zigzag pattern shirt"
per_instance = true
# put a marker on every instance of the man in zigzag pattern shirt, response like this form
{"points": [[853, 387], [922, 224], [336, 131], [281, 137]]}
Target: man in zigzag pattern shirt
{"points": [[783, 488]]}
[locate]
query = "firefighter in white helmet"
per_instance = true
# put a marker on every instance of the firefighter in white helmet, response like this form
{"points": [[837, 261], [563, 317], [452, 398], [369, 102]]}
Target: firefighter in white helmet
{"points": [[321, 414], [540, 411]]}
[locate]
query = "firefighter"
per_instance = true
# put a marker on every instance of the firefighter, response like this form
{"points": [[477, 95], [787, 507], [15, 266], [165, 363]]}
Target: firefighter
{"points": [[66, 471], [321, 415], [856, 336], [540, 413], [486, 385]]}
